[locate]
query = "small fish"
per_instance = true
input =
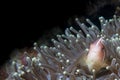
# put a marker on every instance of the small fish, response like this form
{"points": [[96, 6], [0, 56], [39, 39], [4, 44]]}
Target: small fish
{"points": [[95, 58]]}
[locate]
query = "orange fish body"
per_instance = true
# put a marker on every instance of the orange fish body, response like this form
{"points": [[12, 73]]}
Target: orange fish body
{"points": [[96, 56]]}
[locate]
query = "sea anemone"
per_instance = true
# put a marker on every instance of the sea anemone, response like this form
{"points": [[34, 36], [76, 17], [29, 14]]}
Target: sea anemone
{"points": [[86, 54]]}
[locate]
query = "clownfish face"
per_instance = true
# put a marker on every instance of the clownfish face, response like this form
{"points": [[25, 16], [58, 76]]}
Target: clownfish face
{"points": [[96, 55]]}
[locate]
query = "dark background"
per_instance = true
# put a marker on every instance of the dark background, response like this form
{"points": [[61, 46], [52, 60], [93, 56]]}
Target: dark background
{"points": [[25, 22]]}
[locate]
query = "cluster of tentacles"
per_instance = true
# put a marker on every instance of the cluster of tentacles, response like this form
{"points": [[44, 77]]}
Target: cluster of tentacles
{"points": [[64, 60]]}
